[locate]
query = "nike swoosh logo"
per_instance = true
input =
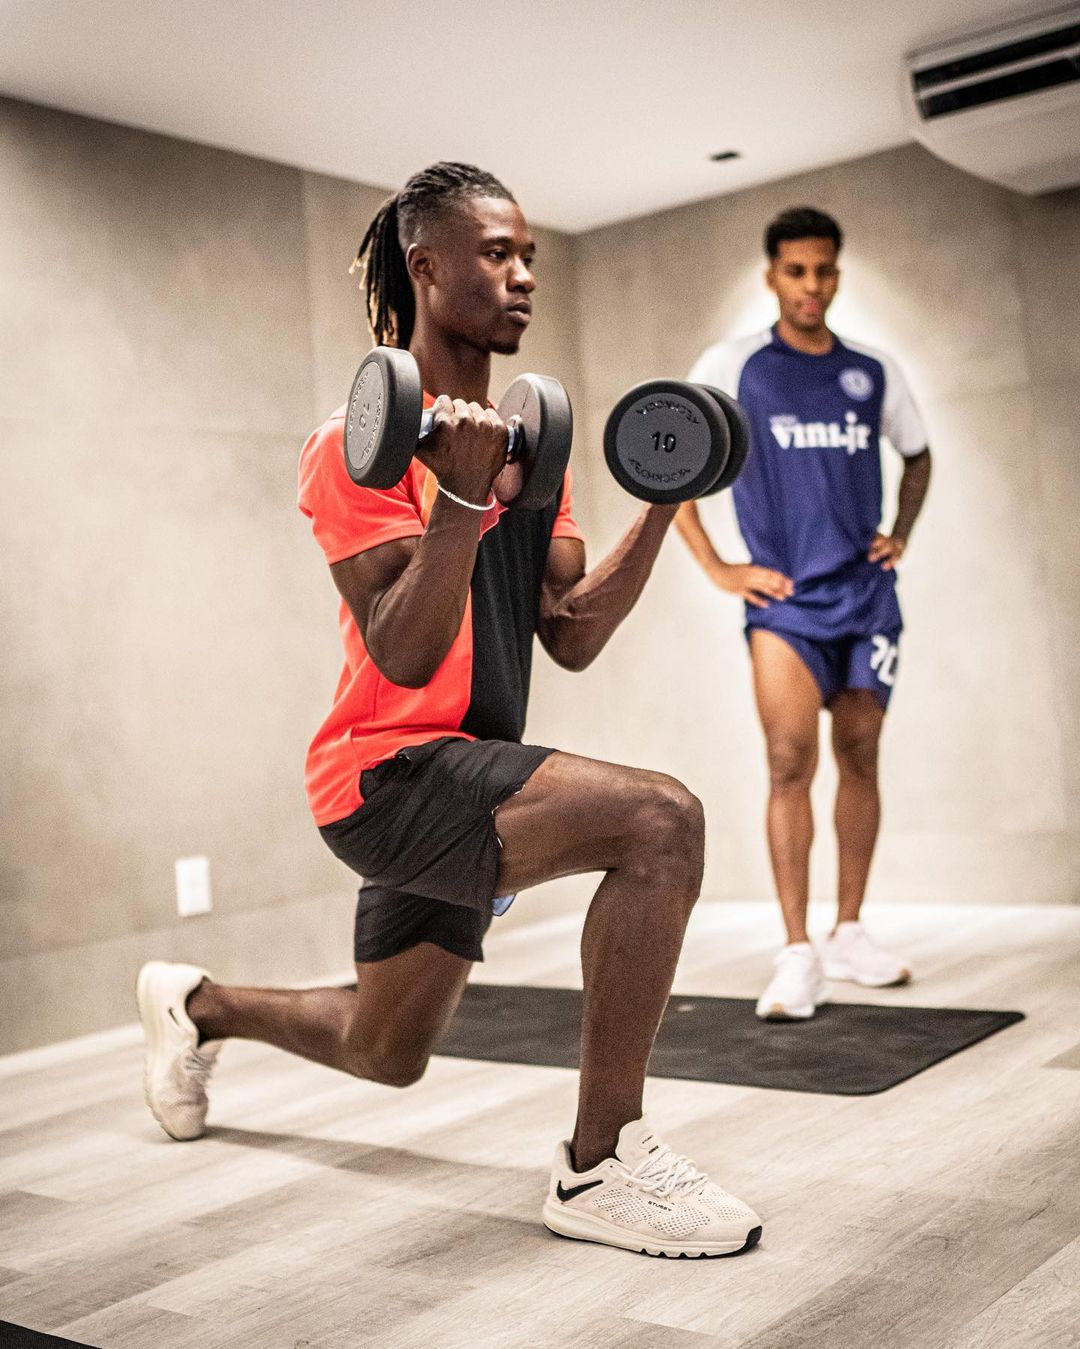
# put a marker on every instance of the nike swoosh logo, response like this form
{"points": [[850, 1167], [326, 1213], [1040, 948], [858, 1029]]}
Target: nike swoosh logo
{"points": [[564, 1195]]}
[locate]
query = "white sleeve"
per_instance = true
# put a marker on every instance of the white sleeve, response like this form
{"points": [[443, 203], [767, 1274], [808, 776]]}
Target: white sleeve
{"points": [[721, 365], [714, 366], [901, 423]]}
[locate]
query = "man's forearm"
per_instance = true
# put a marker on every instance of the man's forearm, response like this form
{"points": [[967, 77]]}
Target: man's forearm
{"points": [[913, 489], [414, 621], [586, 616]]}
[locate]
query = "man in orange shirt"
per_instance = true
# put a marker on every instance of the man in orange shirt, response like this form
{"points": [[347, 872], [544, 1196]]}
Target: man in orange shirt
{"points": [[418, 778]]}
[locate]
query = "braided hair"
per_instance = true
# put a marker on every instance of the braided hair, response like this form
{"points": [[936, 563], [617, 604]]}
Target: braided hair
{"points": [[388, 293]]}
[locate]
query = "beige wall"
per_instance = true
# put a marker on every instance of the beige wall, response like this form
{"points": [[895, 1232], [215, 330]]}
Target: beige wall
{"points": [[975, 291], [176, 318], [175, 321]]}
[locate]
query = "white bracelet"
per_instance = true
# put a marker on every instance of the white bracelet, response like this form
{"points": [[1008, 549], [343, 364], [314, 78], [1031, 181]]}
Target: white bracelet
{"points": [[467, 504]]}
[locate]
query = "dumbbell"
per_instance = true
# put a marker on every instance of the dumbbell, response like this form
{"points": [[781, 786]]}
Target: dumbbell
{"points": [[385, 420], [668, 441]]}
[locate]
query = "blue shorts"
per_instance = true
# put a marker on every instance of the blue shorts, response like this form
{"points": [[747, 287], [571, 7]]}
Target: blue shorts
{"points": [[849, 662]]}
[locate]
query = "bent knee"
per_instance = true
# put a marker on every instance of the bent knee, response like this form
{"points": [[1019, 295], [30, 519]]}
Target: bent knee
{"points": [[666, 812], [665, 842], [397, 1070], [389, 1065]]}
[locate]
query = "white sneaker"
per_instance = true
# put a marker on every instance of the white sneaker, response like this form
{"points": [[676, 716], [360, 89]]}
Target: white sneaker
{"points": [[647, 1198], [851, 953], [797, 988], [177, 1066]]}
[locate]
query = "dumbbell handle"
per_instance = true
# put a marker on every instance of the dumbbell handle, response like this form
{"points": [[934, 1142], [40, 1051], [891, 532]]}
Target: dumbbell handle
{"points": [[427, 422]]}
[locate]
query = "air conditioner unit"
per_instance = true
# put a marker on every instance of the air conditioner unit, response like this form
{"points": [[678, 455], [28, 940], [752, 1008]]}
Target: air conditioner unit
{"points": [[1004, 105]]}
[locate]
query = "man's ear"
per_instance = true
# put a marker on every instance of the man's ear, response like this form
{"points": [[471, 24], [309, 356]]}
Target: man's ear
{"points": [[770, 277], [420, 262]]}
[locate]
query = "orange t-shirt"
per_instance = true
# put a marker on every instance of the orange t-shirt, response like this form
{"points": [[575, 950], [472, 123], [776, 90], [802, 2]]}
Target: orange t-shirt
{"points": [[479, 690]]}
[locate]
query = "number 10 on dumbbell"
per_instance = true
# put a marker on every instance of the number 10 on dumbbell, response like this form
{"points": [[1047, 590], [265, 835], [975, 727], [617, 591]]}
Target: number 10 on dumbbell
{"points": [[666, 440]]}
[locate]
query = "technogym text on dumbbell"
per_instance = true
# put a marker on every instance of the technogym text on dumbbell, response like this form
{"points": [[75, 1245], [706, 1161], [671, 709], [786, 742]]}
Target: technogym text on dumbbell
{"points": [[669, 441]]}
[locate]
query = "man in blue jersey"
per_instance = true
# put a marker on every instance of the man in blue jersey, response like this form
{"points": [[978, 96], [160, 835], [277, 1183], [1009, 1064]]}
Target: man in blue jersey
{"points": [[822, 616]]}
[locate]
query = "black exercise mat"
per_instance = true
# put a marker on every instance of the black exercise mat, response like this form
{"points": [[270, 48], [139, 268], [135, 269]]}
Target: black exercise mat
{"points": [[21, 1337], [847, 1049]]}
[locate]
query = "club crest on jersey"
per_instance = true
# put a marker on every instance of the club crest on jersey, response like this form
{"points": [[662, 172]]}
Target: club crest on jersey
{"points": [[856, 383], [790, 433]]}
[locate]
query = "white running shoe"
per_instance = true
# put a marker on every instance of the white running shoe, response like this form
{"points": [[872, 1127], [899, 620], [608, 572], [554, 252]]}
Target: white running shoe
{"points": [[649, 1199], [177, 1066], [797, 988], [851, 953]]}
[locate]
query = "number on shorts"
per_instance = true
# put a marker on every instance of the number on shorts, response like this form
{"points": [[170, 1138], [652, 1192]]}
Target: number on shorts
{"points": [[883, 659]]}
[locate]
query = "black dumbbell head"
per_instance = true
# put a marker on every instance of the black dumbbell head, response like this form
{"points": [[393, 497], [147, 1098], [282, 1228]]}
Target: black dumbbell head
{"points": [[542, 447], [739, 430], [666, 441], [382, 418]]}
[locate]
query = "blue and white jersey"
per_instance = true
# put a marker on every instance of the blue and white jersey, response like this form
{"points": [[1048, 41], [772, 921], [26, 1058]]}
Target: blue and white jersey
{"points": [[808, 501]]}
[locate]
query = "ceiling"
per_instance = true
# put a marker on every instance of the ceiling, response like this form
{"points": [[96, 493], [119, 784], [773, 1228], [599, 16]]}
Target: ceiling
{"points": [[590, 112]]}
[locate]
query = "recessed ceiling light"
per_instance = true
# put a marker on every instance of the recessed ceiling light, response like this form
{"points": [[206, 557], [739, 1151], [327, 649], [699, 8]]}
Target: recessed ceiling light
{"points": [[725, 154]]}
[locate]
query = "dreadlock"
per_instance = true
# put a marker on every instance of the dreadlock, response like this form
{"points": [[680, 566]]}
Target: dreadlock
{"points": [[388, 293]]}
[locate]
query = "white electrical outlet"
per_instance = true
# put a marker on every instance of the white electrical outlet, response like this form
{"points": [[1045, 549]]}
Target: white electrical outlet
{"points": [[192, 886]]}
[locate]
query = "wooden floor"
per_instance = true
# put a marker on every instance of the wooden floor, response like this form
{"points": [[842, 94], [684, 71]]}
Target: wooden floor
{"points": [[321, 1211]]}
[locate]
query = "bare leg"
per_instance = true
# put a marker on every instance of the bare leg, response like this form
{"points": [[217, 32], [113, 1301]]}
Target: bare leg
{"points": [[856, 731], [789, 702], [647, 832], [383, 1030]]}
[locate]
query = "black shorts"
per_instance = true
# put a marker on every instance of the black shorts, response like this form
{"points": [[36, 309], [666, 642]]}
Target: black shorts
{"points": [[424, 842]]}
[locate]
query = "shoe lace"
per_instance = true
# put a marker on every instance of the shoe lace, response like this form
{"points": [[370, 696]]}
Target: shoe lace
{"points": [[199, 1066], [666, 1172], [793, 968], [797, 957], [863, 944]]}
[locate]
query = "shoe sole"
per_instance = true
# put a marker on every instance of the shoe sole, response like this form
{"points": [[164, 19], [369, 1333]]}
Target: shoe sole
{"points": [[583, 1227], [843, 974], [778, 1012], [151, 1024]]}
